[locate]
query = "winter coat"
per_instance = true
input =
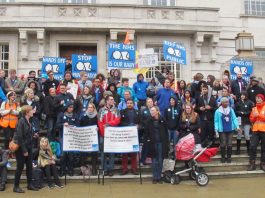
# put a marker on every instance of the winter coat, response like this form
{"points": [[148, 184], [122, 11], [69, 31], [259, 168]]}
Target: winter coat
{"points": [[122, 89], [163, 97], [122, 105], [63, 118], [66, 97], [49, 106], [218, 123], [84, 120], [243, 110], [149, 131], [18, 86], [235, 89], [140, 89], [172, 115], [108, 117], [49, 84], [23, 135], [125, 117], [253, 91], [208, 114], [189, 126]]}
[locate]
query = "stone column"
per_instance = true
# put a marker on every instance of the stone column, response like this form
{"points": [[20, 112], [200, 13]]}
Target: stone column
{"points": [[199, 38], [212, 47], [23, 36], [41, 42]]}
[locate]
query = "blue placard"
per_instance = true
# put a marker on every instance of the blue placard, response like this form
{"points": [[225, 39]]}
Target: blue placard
{"points": [[241, 65], [56, 64], [121, 56], [85, 63], [174, 52]]}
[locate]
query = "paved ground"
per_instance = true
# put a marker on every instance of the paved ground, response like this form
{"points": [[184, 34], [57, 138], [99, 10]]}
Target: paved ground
{"points": [[223, 188]]}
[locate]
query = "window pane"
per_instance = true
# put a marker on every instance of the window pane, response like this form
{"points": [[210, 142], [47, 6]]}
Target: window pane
{"points": [[172, 2]]}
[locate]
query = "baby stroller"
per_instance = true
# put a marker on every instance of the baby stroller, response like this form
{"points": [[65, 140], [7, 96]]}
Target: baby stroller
{"points": [[186, 150]]}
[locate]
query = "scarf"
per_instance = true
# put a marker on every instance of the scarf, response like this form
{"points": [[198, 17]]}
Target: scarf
{"points": [[70, 115], [91, 114]]}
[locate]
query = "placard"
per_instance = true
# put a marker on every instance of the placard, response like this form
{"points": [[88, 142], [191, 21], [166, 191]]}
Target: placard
{"points": [[147, 58], [83, 139], [56, 64], [85, 63], [121, 140], [174, 52], [241, 66], [121, 56]]}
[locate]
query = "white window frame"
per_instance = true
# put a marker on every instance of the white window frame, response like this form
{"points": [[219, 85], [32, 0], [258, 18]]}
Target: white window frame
{"points": [[162, 63], [2, 59], [159, 3], [254, 7]]}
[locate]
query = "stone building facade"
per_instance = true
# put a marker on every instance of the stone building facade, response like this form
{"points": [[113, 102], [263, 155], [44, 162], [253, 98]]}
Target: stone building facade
{"points": [[30, 30]]}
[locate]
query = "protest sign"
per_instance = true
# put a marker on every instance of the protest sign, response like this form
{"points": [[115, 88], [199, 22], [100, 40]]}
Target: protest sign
{"points": [[241, 66], [56, 64], [174, 52]]}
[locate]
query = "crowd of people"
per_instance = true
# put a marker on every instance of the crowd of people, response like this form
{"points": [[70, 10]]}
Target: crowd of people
{"points": [[164, 110]]}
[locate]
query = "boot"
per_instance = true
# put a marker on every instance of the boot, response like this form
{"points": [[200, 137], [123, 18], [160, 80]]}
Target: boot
{"points": [[248, 143], [238, 142], [229, 153], [222, 154], [252, 165], [262, 166]]}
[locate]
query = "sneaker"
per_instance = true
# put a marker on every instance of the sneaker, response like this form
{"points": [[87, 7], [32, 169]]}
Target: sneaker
{"points": [[50, 186], [59, 185]]}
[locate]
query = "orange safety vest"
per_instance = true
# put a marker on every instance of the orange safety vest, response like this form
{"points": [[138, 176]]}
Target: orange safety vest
{"points": [[258, 125], [9, 120]]}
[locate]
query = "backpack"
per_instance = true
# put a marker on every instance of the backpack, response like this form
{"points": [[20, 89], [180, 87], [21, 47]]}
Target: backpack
{"points": [[56, 148], [37, 178]]}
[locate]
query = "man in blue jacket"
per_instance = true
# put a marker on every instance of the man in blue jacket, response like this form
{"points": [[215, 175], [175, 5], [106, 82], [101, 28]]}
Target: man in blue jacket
{"points": [[163, 96], [139, 88]]}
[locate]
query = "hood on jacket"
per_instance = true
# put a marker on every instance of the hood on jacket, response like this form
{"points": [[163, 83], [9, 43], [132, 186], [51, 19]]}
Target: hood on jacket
{"points": [[139, 76], [68, 104]]}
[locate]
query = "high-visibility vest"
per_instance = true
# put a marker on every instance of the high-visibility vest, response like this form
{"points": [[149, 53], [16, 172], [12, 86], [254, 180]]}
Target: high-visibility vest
{"points": [[9, 120], [258, 125]]}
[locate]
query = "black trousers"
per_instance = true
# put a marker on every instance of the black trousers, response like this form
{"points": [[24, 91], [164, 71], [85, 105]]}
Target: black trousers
{"points": [[3, 174], [51, 170], [21, 160], [8, 134], [254, 142], [207, 132]]}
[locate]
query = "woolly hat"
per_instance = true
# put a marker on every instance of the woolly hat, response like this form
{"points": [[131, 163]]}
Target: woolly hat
{"points": [[261, 96]]}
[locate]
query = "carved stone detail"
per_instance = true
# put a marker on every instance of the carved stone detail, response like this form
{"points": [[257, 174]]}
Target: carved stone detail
{"points": [[77, 12], [164, 14], [62, 11], [92, 12], [151, 14], [2, 11], [179, 14]]}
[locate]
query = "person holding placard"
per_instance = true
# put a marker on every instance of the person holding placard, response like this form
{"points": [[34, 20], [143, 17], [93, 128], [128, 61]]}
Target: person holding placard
{"points": [[158, 141], [109, 115], [66, 118], [89, 118], [129, 117]]}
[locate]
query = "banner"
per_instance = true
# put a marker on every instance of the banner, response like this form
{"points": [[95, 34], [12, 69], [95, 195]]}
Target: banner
{"points": [[121, 56], [174, 52], [85, 63], [147, 58], [121, 140], [243, 66], [56, 64], [83, 139]]}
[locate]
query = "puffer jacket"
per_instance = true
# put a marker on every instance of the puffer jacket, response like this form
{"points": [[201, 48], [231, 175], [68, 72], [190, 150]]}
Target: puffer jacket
{"points": [[258, 121]]}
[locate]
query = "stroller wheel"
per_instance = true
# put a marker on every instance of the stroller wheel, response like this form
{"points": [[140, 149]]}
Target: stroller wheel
{"points": [[192, 175], [175, 179], [202, 179]]}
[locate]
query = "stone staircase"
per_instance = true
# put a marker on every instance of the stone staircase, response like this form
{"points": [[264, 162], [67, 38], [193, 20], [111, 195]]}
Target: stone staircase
{"points": [[215, 169]]}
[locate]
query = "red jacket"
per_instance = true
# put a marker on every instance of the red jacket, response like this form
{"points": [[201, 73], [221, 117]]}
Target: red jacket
{"points": [[74, 82], [108, 116]]}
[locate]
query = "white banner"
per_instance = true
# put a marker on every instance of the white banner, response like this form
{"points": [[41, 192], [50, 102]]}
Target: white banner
{"points": [[121, 140], [147, 60], [84, 139]]}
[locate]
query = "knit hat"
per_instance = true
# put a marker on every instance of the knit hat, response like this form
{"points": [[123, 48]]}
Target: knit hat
{"points": [[10, 93], [261, 96]]}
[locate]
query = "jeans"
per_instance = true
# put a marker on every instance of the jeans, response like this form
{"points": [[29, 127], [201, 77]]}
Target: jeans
{"points": [[246, 129], [254, 142], [157, 162], [3, 174], [8, 134], [172, 134], [226, 139], [207, 132], [107, 159], [21, 160], [51, 170], [50, 128]]}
